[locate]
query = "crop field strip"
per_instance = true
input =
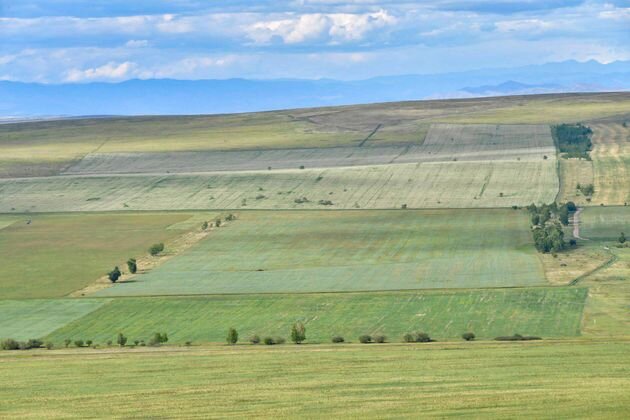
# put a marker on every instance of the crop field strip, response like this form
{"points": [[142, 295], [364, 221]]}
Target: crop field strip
{"points": [[444, 143], [604, 223], [611, 163], [314, 251], [55, 254], [547, 312]]}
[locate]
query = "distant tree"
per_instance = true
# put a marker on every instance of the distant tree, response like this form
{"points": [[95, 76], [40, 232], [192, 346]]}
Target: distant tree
{"points": [[121, 340], [155, 249], [114, 275], [409, 338], [232, 336], [67, 342], [132, 265], [298, 333], [88, 343], [571, 206], [158, 339], [622, 238], [50, 345], [78, 343], [365, 339], [379, 338], [217, 223], [468, 336], [337, 339], [254, 339], [204, 225]]}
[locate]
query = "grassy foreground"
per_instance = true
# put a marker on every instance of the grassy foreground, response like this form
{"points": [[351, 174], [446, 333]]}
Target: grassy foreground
{"points": [[491, 380]]}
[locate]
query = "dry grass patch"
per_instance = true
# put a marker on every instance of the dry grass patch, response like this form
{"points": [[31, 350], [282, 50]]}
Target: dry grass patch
{"points": [[611, 162]]}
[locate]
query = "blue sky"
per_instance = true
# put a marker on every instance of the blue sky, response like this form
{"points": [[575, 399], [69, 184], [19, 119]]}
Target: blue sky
{"points": [[70, 41]]}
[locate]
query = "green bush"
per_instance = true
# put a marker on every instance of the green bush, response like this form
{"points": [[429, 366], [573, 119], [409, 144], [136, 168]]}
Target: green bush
{"points": [[49, 345], [67, 342], [132, 265], [232, 336], [468, 336], [365, 339], [121, 340], [409, 338], [379, 338], [10, 344], [517, 337], [254, 339], [337, 339], [204, 225], [622, 238], [298, 333], [155, 249], [158, 339], [78, 343], [89, 343]]}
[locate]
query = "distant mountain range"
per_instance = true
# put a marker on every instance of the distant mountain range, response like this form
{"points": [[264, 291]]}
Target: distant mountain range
{"points": [[166, 96]]}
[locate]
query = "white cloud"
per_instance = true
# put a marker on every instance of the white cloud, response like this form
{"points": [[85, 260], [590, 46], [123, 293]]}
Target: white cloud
{"points": [[109, 72], [333, 28], [137, 43]]}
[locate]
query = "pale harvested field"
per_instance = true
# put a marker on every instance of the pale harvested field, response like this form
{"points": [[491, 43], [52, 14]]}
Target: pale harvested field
{"points": [[572, 173], [444, 142], [419, 185], [611, 163]]}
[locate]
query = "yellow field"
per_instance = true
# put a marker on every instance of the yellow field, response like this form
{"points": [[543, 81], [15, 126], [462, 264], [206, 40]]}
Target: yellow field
{"points": [[572, 173], [611, 163]]}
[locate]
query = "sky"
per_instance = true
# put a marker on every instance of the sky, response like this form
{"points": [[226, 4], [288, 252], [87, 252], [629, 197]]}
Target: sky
{"points": [[75, 41]]}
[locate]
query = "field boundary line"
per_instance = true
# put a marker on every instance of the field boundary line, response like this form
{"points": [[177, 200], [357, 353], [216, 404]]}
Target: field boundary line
{"points": [[613, 259], [371, 134]]}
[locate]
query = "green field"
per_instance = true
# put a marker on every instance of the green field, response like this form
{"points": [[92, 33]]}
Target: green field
{"points": [[350, 250], [546, 312], [36, 318], [605, 223], [54, 255], [574, 379]]}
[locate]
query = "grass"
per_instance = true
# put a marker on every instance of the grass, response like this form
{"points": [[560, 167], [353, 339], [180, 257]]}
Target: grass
{"points": [[311, 251], [572, 173], [546, 312], [611, 164], [54, 255], [36, 318], [426, 185], [491, 380], [605, 223]]}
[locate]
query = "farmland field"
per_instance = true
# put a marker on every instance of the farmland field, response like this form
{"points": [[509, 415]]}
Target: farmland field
{"points": [[546, 312], [36, 318], [605, 223], [420, 185], [492, 380], [350, 250], [572, 173], [611, 163], [53, 255]]}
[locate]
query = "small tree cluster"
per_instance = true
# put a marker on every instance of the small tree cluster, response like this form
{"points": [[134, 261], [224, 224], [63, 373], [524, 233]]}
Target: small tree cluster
{"points": [[270, 341], [155, 249], [468, 336], [11, 344], [417, 337], [158, 339], [547, 223]]}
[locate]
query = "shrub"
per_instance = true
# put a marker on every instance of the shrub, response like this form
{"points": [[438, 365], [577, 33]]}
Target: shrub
{"points": [[78, 343], [158, 338], [365, 339], [132, 265], [409, 338], [114, 275], [217, 223], [268, 341], [254, 339], [121, 340], [136, 342], [155, 249], [10, 344], [572, 242], [517, 337], [298, 333], [279, 340], [204, 225], [188, 343], [301, 166], [232, 336], [404, 207], [379, 338], [109, 342], [325, 203], [422, 337], [468, 336], [571, 206], [49, 345], [230, 217], [622, 238], [337, 339], [67, 342], [34, 343]]}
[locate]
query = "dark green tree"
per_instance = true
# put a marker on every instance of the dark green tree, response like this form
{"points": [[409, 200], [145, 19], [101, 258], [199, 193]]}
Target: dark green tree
{"points": [[298, 333], [114, 275], [132, 265], [232, 336]]}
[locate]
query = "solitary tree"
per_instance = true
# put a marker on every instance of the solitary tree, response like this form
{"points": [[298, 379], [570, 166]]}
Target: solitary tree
{"points": [[114, 275], [468, 336], [204, 225], [132, 265], [622, 238], [232, 336], [298, 333], [121, 340]]}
